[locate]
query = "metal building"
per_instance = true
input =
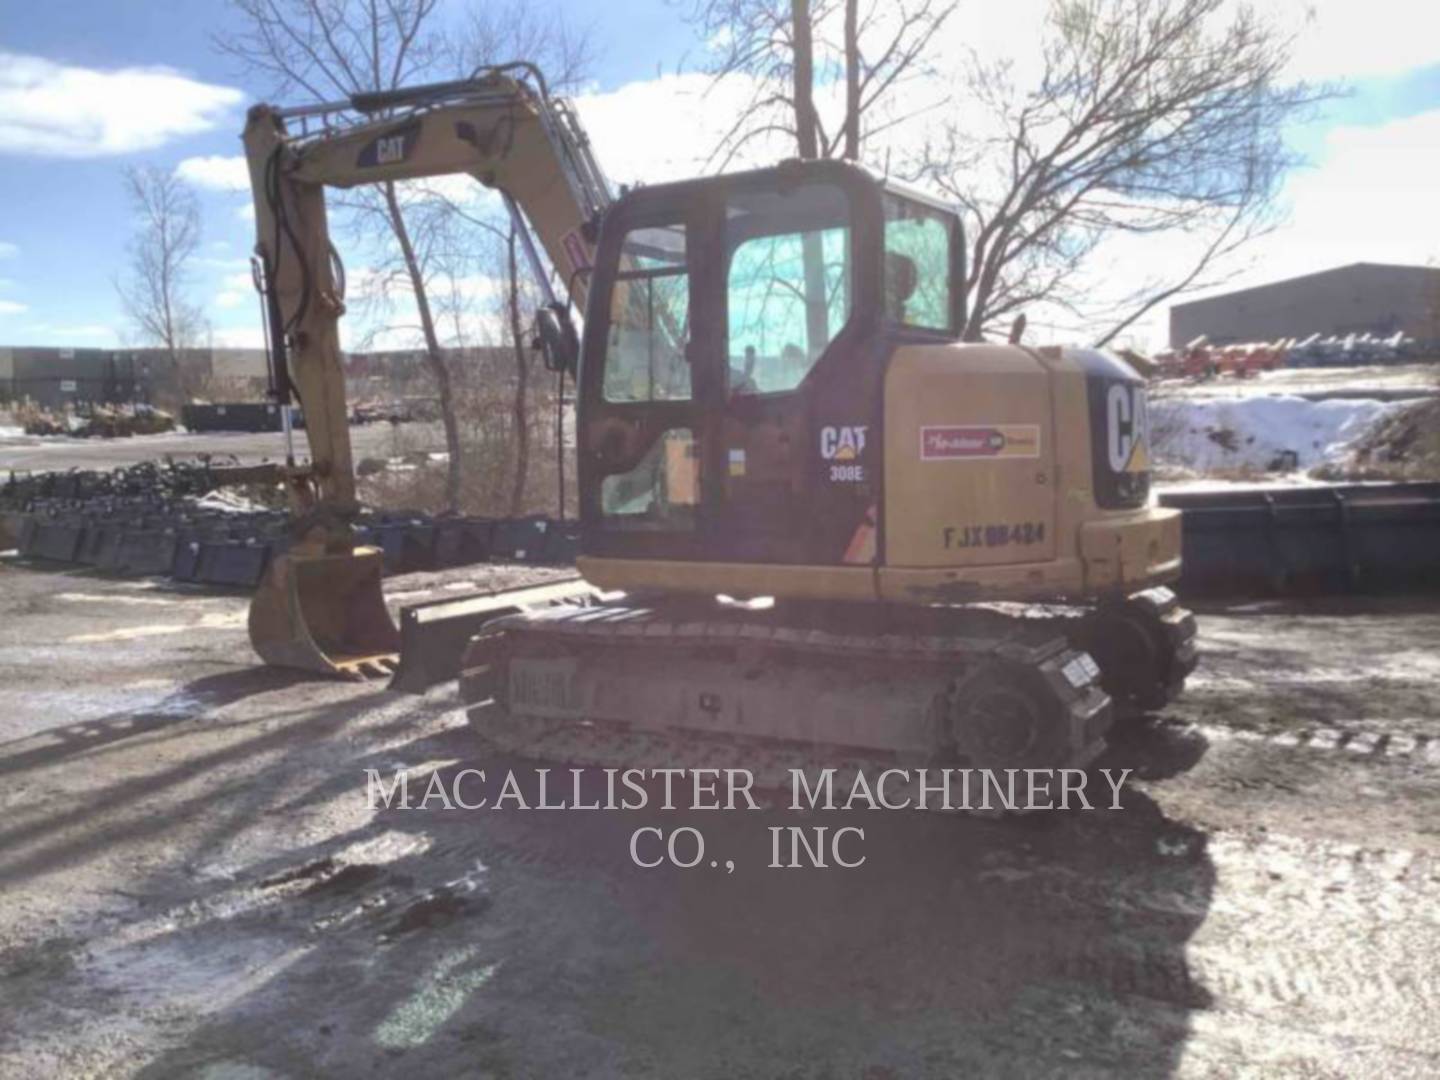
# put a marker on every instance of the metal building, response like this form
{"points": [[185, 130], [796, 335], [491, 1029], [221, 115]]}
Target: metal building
{"points": [[51, 377], [1374, 298]]}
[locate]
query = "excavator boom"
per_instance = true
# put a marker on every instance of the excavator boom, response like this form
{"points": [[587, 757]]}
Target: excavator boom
{"points": [[320, 606]]}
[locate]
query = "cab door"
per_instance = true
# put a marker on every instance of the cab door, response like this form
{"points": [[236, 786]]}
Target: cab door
{"points": [[793, 470], [643, 415], [731, 376]]}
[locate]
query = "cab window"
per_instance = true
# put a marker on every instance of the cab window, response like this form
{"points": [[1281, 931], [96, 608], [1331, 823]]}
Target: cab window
{"points": [[919, 261], [788, 286], [649, 319]]}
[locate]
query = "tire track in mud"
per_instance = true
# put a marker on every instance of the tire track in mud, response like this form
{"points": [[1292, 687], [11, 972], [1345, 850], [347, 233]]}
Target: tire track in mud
{"points": [[1326, 938], [1266, 880], [1359, 738], [1294, 929], [1279, 978]]}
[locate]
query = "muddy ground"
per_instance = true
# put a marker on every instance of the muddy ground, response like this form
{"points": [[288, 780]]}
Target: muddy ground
{"points": [[192, 884]]}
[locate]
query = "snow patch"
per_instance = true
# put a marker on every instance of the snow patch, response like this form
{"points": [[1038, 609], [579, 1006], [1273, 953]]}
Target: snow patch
{"points": [[1226, 434]]}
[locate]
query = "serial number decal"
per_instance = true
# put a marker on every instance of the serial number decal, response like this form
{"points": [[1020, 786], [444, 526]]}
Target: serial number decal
{"points": [[972, 536], [958, 443]]}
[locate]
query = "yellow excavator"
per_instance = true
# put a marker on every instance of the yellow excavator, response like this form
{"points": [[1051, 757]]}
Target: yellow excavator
{"points": [[826, 520]]}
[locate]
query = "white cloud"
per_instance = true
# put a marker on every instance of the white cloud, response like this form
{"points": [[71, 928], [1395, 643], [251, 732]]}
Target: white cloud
{"points": [[368, 285], [58, 110], [1348, 39], [8, 250], [63, 332], [692, 112], [1333, 39], [12, 307], [1369, 199], [235, 290], [460, 188], [233, 264], [382, 315], [215, 172]]}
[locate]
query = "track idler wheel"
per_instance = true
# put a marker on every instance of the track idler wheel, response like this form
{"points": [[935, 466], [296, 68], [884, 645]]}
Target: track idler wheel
{"points": [[1145, 646], [325, 613], [1016, 715]]}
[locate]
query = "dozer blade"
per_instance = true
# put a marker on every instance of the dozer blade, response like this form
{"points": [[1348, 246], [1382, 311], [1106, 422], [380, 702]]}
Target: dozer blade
{"points": [[434, 634], [325, 613]]}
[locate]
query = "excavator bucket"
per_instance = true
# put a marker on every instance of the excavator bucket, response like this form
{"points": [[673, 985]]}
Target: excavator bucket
{"points": [[325, 613]]}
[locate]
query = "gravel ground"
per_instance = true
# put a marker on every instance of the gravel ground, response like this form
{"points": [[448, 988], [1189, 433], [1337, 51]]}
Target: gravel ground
{"points": [[194, 885]]}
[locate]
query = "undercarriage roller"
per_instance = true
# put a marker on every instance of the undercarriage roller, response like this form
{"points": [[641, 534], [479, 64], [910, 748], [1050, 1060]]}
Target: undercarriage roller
{"points": [[1006, 717]]}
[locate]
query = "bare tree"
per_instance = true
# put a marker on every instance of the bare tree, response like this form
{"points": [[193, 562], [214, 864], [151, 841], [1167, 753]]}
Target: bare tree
{"points": [[166, 237], [335, 48], [1148, 117], [793, 50], [462, 246], [787, 49], [853, 95], [326, 49], [522, 373], [481, 290], [495, 35]]}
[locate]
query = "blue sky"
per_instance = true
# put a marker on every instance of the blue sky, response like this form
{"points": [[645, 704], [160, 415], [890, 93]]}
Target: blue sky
{"points": [[68, 216], [1369, 192]]}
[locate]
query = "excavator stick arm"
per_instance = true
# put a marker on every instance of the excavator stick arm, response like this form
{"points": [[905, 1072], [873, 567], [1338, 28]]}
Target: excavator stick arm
{"points": [[320, 606]]}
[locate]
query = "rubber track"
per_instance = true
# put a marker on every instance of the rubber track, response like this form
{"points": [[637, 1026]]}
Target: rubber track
{"points": [[614, 745]]}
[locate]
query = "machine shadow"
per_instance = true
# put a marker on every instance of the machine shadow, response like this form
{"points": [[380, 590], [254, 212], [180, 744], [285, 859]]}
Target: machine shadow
{"points": [[186, 703], [528, 943]]}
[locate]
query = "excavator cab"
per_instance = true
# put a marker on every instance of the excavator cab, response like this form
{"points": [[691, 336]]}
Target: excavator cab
{"points": [[737, 338]]}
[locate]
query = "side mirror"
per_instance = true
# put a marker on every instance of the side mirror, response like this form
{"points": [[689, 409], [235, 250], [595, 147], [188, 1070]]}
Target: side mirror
{"points": [[555, 334]]}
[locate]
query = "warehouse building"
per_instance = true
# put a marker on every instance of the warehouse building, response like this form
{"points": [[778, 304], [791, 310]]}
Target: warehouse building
{"points": [[1373, 298], [55, 376], [51, 377]]}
